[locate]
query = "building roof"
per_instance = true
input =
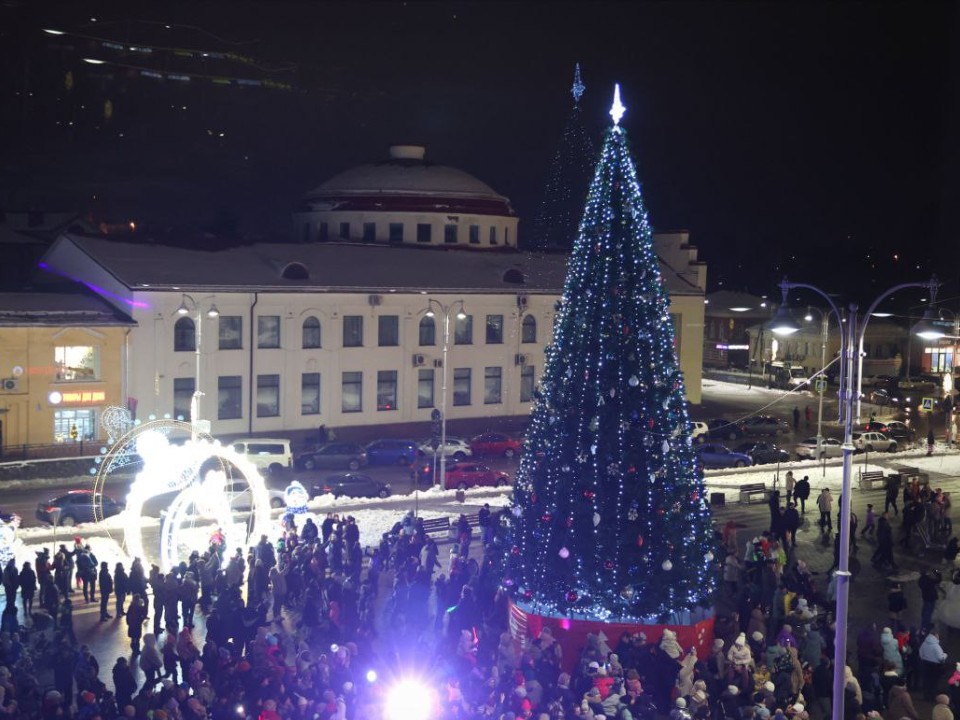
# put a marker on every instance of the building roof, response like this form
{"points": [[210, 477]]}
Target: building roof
{"points": [[18, 309], [323, 267], [729, 303], [406, 182]]}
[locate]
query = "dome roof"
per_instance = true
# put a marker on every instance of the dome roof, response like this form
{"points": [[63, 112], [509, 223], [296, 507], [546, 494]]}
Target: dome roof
{"points": [[406, 176]]}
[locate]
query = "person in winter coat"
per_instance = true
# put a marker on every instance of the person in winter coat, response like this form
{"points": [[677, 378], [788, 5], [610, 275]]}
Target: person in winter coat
{"points": [[825, 505], [741, 660], [189, 592], [891, 650], [106, 590], [150, 660], [121, 586], [942, 711], [801, 492], [170, 658], [124, 683], [932, 659], [28, 587], [136, 617], [899, 702], [11, 581]]}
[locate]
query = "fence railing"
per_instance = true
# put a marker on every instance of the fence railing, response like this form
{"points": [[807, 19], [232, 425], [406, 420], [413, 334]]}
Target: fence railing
{"points": [[52, 451]]}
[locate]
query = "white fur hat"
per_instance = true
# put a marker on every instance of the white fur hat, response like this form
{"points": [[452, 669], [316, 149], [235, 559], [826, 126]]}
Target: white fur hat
{"points": [[741, 639]]}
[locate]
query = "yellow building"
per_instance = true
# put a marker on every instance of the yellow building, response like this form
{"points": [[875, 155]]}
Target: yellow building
{"points": [[62, 362]]}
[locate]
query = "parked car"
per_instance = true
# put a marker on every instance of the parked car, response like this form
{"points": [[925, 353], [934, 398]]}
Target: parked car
{"points": [[77, 506], [334, 456], [9, 518], [456, 448], [391, 452], [467, 475], [271, 454], [886, 398], [720, 429], [893, 429], [715, 455], [873, 442], [764, 425], [351, 485], [241, 498], [829, 447], [494, 443], [763, 452], [699, 431]]}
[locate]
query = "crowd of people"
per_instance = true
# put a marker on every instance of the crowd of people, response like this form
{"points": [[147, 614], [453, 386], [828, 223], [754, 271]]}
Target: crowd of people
{"points": [[315, 627]]}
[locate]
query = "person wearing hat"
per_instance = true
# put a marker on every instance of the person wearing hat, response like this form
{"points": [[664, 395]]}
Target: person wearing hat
{"points": [[679, 710], [729, 706], [592, 702], [942, 711]]}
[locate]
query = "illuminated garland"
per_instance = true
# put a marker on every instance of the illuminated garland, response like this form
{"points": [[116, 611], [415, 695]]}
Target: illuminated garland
{"points": [[610, 519]]}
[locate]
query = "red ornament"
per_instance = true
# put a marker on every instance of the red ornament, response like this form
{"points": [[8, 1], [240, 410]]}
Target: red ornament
{"points": [[650, 423], [639, 540], [569, 521], [589, 494], [515, 550], [528, 594], [608, 565], [546, 517], [572, 596]]}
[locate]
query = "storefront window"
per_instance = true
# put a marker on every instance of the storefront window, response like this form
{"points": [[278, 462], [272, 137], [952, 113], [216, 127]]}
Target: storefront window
{"points": [[77, 363], [74, 425]]}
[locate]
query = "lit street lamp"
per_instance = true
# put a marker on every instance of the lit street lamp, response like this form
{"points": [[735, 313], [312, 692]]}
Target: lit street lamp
{"points": [[851, 338], [212, 312], [445, 313]]}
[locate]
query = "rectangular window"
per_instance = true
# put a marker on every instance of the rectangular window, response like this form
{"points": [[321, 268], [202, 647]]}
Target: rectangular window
{"points": [[345, 231], [229, 397], [310, 394], [353, 330], [388, 330], [506, 236], [424, 232], [492, 385], [77, 363], [369, 232], [428, 331], [425, 389], [268, 395], [74, 425], [461, 386], [463, 331], [351, 392], [474, 234], [387, 390], [396, 232], [182, 396], [526, 383], [494, 329], [323, 234], [231, 332], [449, 233], [493, 234], [268, 331]]}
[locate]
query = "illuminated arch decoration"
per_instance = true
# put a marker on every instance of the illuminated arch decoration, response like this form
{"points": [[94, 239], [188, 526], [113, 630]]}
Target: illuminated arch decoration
{"points": [[197, 470]]}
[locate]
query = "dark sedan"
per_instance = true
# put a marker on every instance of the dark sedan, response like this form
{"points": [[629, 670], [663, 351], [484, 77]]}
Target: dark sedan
{"points": [[78, 506], [763, 452], [334, 456], [351, 485], [719, 429], [715, 455]]}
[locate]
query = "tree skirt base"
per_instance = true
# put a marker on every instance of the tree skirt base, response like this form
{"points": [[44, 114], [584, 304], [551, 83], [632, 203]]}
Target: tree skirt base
{"points": [[571, 633]]}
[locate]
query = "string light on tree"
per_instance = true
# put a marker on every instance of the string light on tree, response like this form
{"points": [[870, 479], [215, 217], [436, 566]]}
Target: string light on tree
{"points": [[609, 520]]}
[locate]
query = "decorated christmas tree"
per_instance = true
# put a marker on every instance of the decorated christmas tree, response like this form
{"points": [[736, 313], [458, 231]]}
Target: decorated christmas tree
{"points": [[610, 518], [555, 227]]}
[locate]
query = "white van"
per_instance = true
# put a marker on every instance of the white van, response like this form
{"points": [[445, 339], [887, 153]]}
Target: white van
{"points": [[271, 454]]}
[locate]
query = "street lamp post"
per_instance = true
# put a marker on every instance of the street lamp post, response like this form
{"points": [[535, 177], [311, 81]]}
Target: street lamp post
{"points": [[824, 330], [851, 338], [212, 312], [445, 313]]}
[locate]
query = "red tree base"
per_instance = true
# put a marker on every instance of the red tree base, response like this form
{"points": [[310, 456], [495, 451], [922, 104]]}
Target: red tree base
{"points": [[572, 633]]}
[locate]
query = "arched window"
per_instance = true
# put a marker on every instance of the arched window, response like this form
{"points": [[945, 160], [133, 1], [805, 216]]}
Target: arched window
{"points": [[184, 335], [428, 331], [311, 333], [529, 329]]}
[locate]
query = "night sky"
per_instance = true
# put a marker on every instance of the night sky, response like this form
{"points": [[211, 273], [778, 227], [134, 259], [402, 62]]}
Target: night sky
{"points": [[817, 139]]}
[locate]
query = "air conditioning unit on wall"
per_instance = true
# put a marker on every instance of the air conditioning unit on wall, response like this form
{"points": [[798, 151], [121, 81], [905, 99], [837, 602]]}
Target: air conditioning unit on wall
{"points": [[10, 385], [438, 363], [418, 360], [520, 359], [374, 300], [522, 301]]}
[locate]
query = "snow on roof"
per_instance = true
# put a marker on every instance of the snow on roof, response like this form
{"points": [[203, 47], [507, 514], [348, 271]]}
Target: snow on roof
{"points": [[49, 308], [332, 267]]}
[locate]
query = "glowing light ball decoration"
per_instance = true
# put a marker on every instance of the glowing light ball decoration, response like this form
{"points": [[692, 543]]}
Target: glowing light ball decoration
{"points": [[8, 538], [410, 700], [168, 467]]}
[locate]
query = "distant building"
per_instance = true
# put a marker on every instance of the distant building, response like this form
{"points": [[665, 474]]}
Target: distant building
{"points": [[62, 362], [727, 317]]}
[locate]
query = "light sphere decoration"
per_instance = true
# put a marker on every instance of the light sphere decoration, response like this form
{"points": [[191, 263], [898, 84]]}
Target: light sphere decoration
{"points": [[667, 565]]}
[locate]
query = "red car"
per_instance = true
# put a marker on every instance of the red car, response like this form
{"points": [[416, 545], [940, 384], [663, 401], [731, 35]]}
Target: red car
{"points": [[467, 475], [497, 444]]}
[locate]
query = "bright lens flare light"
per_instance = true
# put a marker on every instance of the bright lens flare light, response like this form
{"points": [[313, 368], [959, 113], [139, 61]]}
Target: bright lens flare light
{"points": [[410, 700]]}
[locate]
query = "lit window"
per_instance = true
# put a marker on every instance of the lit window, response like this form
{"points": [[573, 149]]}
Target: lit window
{"points": [[77, 363]]}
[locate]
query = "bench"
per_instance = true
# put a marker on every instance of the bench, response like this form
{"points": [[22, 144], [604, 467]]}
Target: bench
{"points": [[908, 474], [439, 525], [870, 478], [751, 489]]}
